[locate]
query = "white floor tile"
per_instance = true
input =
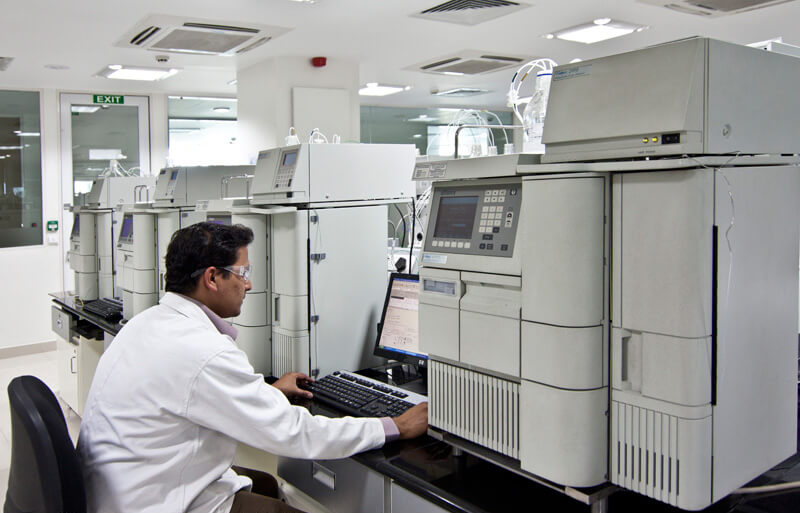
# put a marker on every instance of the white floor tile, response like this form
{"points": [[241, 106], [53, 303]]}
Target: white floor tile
{"points": [[44, 367], [3, 483], [5, 453]]}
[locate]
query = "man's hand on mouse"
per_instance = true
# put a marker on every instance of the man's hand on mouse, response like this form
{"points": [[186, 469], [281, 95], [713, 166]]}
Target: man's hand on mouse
{"points": [[292, 383]]}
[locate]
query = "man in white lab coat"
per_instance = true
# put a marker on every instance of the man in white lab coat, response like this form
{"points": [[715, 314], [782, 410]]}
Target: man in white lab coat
{"points": [[173, 395]]}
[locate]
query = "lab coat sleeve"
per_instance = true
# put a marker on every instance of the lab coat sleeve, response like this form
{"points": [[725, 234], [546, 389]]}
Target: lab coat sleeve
{"points": [[228, 396]]}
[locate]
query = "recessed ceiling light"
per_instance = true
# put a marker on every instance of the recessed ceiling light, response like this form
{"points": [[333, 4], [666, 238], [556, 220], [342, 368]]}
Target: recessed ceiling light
{"points": [[305, 1], [222, 109], [57, 67], [598, 30], [376, 89], [10, 147], [85, 109], [233, 82], [573, 61], [452, 73], [136, 72], [26, 134], [416, 136]]}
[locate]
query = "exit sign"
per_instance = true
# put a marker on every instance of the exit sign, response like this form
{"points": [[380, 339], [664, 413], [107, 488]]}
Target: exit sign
{"points": [[108, 98]]}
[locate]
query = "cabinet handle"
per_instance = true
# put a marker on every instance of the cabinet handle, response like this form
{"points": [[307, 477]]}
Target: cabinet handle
{"points": [[275, 309], [73, 365], [323, 475]]}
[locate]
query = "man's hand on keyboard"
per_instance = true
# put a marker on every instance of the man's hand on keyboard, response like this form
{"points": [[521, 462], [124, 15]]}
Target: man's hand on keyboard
{"points": [[414, 422], [290, 384]]}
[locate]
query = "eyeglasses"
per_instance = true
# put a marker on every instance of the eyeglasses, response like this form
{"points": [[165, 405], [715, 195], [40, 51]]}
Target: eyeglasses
{"points": [[243, 271], [239, 270]]}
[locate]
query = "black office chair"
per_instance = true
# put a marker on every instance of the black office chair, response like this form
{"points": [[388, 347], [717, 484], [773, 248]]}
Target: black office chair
{"points": [[45, 476]]}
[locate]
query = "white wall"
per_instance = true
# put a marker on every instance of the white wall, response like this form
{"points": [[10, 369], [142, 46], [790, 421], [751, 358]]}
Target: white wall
{"points": [[265, 98], [28, 274]]}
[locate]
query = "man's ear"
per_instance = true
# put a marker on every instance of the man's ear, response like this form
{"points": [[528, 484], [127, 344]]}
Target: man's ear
{"points": [[209, 280]]}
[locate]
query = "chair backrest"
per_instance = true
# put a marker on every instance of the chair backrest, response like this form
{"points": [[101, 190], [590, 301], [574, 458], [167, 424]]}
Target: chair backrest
{"points": [[45, 476]]}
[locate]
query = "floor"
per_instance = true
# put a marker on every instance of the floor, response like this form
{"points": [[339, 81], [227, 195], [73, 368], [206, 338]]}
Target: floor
{"points": [[43, 366]]}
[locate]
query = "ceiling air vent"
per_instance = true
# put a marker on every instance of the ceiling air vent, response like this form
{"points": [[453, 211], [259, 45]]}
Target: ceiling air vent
{"points": [[460, 92], [4, 62], [469, 62], [469, 12], [175, 34], [713, 8]]}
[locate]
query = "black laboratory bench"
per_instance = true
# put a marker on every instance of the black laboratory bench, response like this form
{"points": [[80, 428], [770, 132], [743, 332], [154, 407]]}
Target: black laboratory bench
{"points": [[426, 475], [74, 306], [429, 475]]}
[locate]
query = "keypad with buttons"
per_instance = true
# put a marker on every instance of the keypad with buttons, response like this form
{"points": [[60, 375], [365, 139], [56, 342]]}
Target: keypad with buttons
{"points": [[493, 226]]}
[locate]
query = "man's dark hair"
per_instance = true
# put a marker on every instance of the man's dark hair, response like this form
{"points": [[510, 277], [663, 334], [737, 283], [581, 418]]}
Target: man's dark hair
{"points": [[199, 246]]}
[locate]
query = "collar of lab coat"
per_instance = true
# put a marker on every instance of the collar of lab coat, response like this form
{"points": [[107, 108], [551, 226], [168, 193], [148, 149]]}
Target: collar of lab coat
{"points": [[188, 308]]}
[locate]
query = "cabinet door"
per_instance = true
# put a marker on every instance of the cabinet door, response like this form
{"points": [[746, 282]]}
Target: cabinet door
{"points": [[89, 352], [342, 486], [404, 501], [662, 247], [68, 372]]}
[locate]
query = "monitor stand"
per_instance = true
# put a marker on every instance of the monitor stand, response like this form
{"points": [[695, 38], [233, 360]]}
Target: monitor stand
{"points": [[405, 375]]}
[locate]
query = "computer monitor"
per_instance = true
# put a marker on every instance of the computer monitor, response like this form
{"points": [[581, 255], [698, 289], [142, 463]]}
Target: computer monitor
{"points": [[126, 232], [76, 227], [398, 332]]}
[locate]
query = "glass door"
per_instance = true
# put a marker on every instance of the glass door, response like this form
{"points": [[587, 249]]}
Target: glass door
{"points": [[101, 135]]}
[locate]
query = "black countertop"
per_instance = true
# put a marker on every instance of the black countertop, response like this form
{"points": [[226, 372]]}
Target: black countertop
{"points": [[467, 484], [71, 303]]}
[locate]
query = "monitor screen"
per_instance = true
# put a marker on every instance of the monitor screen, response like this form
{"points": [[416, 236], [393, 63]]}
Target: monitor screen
{"points": [[398, 335], [289, 158], [76, 227], [126, 232], [174, 175], [219, 219], [455, 217]]}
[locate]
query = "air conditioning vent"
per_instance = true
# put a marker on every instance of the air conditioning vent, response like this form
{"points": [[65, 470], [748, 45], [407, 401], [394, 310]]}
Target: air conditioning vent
{"points": [[469, 62], [460, 92], [469, 12], [253, 45], [438, 64], [175, 34], [144, 35], [226, 28], [713, 8], [4, 62]]}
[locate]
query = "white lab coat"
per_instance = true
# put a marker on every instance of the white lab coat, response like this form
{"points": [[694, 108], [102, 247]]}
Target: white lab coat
{"points": [[169, 401]]}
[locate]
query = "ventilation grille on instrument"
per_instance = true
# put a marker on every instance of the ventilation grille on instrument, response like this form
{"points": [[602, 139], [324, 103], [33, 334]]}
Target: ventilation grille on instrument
{"points": [[470, 12], [282, 354], [469, 62], [644, 452], [477, 407], [175, 34], [713, 8]]}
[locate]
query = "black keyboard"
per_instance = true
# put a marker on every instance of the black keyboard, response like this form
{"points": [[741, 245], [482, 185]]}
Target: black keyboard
{"points": [[363, 397], [108, 309]]}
